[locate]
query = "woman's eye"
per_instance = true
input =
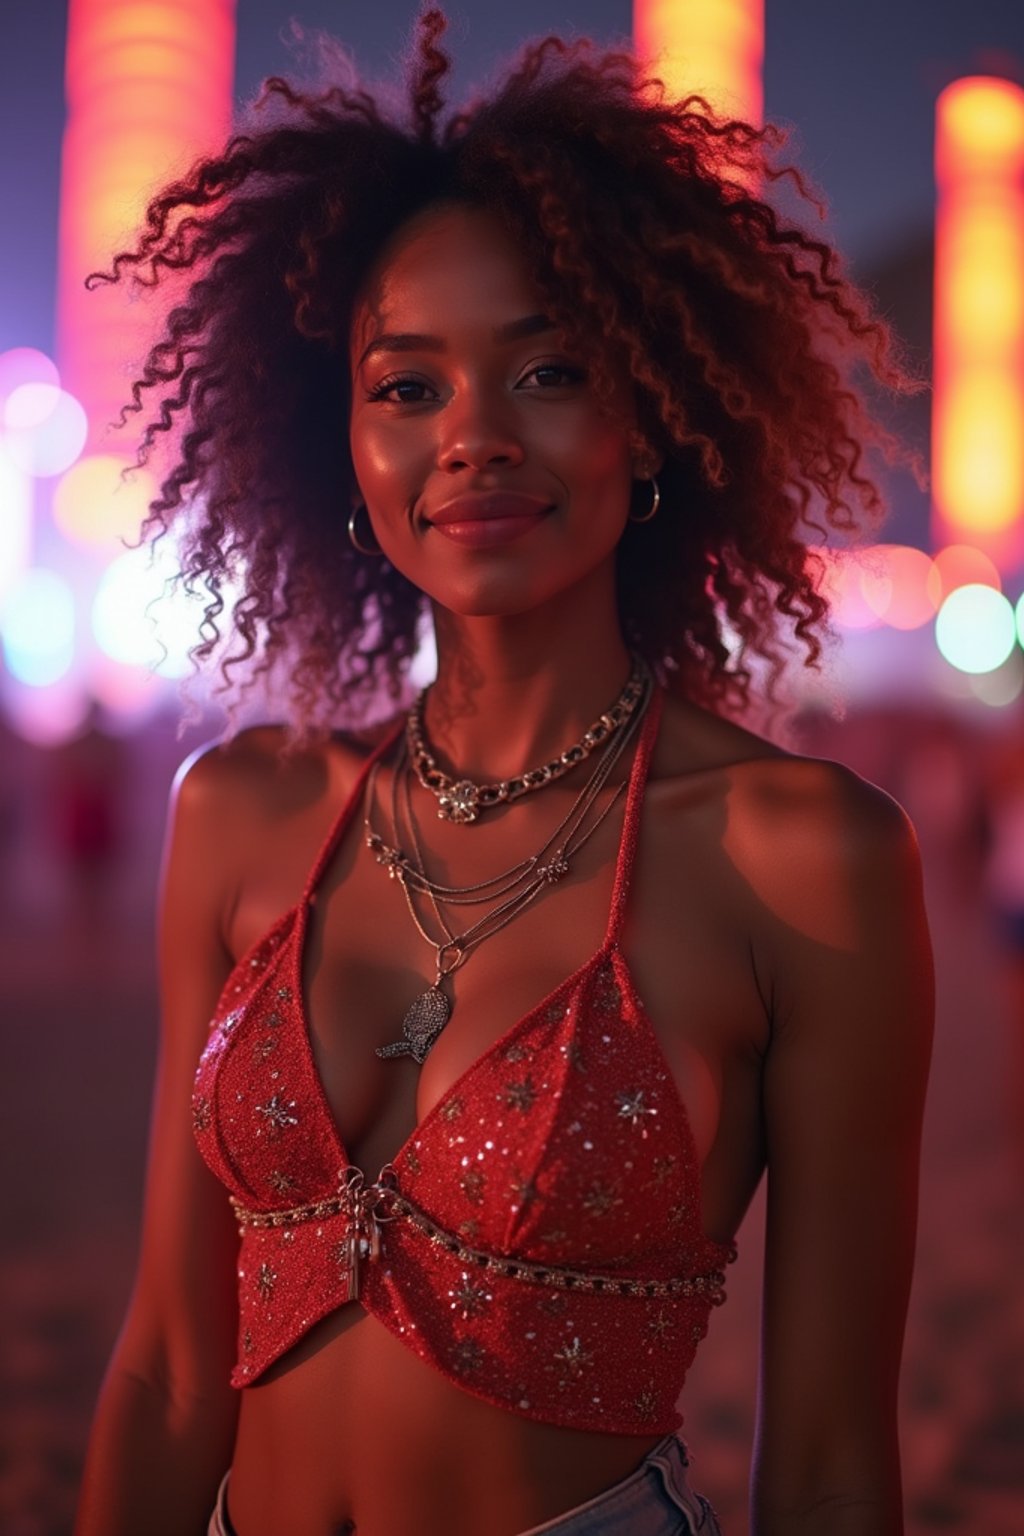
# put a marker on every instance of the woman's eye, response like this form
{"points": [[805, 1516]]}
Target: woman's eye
{"points": [[395, 389], [557, 375]]}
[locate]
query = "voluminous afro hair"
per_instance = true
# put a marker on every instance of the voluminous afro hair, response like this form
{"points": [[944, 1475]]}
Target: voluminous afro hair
{"points": [[640, 219]]}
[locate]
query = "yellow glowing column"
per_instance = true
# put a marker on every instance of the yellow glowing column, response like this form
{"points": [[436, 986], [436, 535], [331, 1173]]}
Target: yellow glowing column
{"points": [[149, 86], [978, 407], [715, 47]]}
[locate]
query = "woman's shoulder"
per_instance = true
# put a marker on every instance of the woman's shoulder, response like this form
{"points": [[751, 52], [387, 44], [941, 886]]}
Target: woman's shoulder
{"points": [[774, 794], [260, 764]]}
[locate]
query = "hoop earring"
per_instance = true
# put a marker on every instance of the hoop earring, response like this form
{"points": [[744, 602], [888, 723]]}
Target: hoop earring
{"points": [[655, 504], [352, 534]]}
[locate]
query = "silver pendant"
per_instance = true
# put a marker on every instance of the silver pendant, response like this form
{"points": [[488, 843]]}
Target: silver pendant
{"points": [[421, 1026]]}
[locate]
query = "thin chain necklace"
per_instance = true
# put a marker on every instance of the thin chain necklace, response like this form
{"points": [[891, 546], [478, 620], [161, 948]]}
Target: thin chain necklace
{"points": [[462, 801], [430, 1012]]}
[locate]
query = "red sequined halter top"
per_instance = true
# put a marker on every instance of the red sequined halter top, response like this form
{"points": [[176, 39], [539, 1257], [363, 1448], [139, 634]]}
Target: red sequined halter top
{"points": [[538, 1237]]}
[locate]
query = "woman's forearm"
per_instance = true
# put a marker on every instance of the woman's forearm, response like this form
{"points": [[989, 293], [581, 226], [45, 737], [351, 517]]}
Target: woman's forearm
{"points": [[154, 1460]]}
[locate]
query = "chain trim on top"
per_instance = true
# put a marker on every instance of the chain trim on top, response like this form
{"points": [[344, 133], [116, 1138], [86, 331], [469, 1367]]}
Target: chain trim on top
{"points": [[361, 1202]]}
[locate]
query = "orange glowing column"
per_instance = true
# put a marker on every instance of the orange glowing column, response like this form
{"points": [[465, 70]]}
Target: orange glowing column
{"points": [[149, 86], [715, 47], [978, 407]]}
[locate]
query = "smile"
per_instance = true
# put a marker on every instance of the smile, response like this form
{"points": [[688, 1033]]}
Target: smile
{"points": [[483, 520]]}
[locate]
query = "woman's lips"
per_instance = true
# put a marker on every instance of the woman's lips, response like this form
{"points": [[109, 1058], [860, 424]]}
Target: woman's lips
{"points": [[494, 517]]}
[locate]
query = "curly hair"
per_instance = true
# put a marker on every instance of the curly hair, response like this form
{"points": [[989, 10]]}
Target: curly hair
{"points": [[639, 218]]}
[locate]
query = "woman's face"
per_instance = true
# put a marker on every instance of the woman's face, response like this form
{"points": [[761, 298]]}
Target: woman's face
{"points": [[493, 478]]}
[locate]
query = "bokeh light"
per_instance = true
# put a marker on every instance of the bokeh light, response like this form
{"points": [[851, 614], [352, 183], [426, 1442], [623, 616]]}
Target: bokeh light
{"points": [[92, 505], [958, 565], [52, 444], [1003, 685], [47, 716], [37, 627], [975, 629], [15, 521], [837, 575], [894, 582], [25, 365], [136, 616]]}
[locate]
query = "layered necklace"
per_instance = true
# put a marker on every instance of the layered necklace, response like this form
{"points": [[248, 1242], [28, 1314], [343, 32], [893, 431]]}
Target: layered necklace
{"points": [[510, 892]]}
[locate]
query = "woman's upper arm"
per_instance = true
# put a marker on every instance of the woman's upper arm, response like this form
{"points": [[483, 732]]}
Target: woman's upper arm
{"points": [[844, 1087], [180, 1329]]}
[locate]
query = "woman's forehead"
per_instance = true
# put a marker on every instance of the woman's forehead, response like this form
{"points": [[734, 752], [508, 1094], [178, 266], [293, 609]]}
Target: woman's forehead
{"points": [[450, 266]]}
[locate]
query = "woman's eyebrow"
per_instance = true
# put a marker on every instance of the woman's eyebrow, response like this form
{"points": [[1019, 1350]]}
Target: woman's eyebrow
{"points": [[416, 341]]}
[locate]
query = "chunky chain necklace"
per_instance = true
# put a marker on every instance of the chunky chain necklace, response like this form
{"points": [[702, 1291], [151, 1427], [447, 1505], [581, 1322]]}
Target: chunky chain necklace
{"points": [[513, 889], [462, 801]]}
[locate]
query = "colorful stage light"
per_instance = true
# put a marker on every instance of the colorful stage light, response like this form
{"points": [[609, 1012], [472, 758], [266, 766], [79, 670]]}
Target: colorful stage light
{"points": [[15, 521], [149, 88], [958, 565], [93, 505], [978, 410], [49, 715], [713, 47], [975, 629], [138, 620], [895, 584], [25, 365], [37, 627], [1002, 686], [44, 429]]}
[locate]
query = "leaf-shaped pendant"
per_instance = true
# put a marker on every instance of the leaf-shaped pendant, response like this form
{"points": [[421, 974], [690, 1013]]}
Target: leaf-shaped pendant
{"points": [[421, 1026]]}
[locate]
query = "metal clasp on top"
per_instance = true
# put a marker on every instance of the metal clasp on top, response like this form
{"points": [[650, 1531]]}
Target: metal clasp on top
{"points": [[365, 1205]]}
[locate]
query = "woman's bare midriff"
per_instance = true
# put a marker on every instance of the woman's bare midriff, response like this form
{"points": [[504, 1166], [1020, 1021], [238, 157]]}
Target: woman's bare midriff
{"points": [[365, 1437]]}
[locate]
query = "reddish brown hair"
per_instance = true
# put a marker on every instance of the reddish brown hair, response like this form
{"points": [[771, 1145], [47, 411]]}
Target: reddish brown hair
{"points": [[654, 255]]}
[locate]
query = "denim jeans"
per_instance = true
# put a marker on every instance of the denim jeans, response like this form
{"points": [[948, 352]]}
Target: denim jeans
{"points": [[654, 1500]]}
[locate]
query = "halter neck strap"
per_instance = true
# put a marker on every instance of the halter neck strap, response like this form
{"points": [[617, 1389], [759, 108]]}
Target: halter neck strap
{"points": [[343, 817], [631, 821]]}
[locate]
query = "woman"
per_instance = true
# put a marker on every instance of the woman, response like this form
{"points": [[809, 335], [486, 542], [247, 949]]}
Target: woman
{"points": [[590, 384]]}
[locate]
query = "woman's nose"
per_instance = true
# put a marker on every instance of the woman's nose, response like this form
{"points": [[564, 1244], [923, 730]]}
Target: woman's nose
{"points": [[477, 430]]}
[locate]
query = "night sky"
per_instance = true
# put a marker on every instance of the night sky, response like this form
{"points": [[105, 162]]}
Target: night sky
{"points": [[856, 82]]}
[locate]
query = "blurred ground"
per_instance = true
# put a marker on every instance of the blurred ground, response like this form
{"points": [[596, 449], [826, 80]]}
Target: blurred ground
{"points": [[77, 1028]]}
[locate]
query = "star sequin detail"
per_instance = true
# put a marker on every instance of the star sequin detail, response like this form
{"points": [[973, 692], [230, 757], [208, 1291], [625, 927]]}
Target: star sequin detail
{"points": [[285, 994], [662, 1168], [230, 1021], [412, 1158], [467, 1355], [661, 1324], [600, 1198], [679, 1212], [633, 1108], [278, 1114], [515, 1052], [521, 1095], [644, 1403], [574, 1360], [451, 1110], [273, 1019], [280, 1183], [265, 1047], [472, 1185], [247, 1342], [201, 1113], [265, 1282], [469, 1299]]}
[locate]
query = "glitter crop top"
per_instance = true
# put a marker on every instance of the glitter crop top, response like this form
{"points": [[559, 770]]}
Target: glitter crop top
{"points": [[538, 1238]]}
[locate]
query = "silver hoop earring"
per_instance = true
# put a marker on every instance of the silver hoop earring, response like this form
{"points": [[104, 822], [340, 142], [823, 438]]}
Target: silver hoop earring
{"points": [[352, 534], [655, 504]]}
